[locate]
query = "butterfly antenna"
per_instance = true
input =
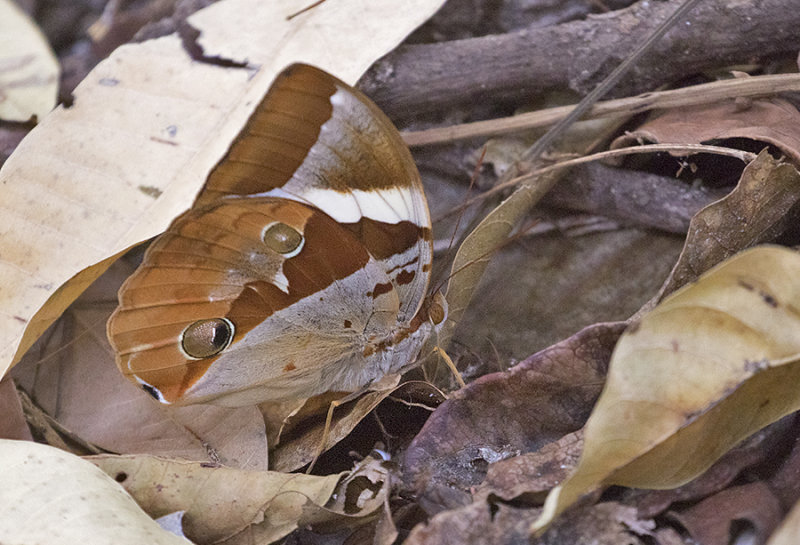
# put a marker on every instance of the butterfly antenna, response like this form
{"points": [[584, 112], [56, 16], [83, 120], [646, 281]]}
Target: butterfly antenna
{"points": [[461, 210]]}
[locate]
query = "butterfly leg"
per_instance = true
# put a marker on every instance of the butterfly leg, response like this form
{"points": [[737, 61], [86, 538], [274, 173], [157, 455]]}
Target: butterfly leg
{"points": [[322, 447], [452, 366]]}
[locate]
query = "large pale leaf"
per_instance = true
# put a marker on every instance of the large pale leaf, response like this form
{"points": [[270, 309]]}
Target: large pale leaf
{"points": [[713, 363], [146, 126], [28, 68], [51, 496]]}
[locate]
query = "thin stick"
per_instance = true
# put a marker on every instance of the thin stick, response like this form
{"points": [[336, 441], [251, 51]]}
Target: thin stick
{"points": [[606, 85], [688, 149], [706, 93]]}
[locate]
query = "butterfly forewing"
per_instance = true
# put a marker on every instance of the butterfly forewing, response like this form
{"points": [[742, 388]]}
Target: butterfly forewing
{"points": [[315, 139]]}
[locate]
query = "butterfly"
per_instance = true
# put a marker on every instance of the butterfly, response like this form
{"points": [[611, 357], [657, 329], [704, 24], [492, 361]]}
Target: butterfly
{"points": [[301, 268]]}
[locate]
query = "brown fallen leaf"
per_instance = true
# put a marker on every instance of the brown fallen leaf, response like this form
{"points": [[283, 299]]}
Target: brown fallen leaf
{"points": [[681, 378], [12, 425], [478, 523], [498, 523], [51, 496], [714, 521], [756, 211], [785, 481], [528, 475], [789, 529], [774, 120], [608, 523], [500, 415]]}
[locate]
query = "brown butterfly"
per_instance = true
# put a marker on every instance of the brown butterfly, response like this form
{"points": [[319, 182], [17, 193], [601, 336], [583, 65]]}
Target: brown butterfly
{"points": [[301, 268]]}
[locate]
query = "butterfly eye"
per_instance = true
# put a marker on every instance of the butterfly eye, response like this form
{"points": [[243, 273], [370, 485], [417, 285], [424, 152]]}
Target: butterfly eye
{"points": [[283, 239], [206, 338]]}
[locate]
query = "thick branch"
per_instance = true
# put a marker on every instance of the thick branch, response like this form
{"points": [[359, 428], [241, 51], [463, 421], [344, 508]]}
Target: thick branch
{"points": [[577, 55]]}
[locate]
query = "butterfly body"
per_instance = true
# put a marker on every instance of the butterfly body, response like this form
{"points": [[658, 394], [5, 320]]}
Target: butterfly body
{"points": [[301, 269]]}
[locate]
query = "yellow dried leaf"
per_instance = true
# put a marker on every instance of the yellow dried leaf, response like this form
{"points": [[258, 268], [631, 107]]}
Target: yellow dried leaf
{"points": [[221, 502], [713, 363]]}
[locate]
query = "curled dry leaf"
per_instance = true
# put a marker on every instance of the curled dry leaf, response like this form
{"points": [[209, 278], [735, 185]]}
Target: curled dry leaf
{"points": [[713, 363], [775, 121], [502, 414], [50, 496], [236, 506], [757, 449], [756, 211], [146, 127], [28, 68], [219, 502]]}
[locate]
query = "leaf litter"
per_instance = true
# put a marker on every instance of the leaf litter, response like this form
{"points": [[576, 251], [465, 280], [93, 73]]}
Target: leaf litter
{"points": [[482, 463]]}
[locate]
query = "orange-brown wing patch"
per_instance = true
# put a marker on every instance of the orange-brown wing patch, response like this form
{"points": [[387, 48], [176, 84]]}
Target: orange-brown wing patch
{"points": [[212, 263]]}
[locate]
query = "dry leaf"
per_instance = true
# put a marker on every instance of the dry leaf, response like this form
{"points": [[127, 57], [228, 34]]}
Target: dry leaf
{"points": [[608, 523], [775, 121], [529, 474], [500, 415], [28, 68], [478, 523], [12, 425], [756, 211], [219, 502], [757, 449], [682, 378], [234, 506], [715, 520], [50, 496], [146, 127]]}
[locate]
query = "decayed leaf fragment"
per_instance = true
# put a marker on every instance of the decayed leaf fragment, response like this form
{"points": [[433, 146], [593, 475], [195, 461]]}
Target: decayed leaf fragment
{"points": [[713, 363], [50, 496], [28, 68], [146, 127]]}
